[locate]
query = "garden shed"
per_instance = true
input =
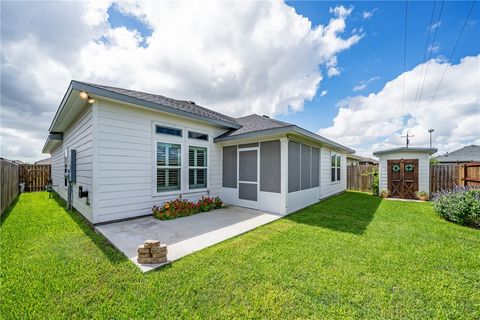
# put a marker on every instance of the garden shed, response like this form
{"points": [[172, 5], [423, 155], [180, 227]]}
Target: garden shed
{"points": [[404, 171]]}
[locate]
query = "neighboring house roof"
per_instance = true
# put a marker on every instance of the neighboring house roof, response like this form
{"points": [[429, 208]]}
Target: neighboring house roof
{"points": [[255, 125], [361, 159], [406, 149], [243, 127], [44, 161], [465, 154]]}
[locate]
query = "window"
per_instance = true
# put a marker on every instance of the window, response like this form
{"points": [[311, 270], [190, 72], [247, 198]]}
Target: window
{"points": [[168, 130], [335, 165], [197, 135], [168, 166], [197, 163]]}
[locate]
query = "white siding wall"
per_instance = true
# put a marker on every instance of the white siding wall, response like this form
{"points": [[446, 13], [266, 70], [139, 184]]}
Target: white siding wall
{"points": [[125, 150], [328, 187], [423, 170], [78, 137]]}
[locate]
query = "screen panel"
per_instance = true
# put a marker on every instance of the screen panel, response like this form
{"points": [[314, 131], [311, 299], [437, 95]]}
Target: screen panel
{"points": [[270, 171]]}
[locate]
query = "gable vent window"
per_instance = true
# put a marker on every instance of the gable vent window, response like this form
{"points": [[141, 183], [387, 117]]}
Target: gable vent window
{"points": [[197, 171], [335, 167], [197, 135], [168, 130], [168, 166]]}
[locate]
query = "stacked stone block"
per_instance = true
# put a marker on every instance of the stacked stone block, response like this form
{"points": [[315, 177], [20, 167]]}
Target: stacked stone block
{"points": [[152, 252]]}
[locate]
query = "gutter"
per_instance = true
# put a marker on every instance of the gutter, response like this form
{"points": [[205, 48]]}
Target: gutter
{"points": [[281, 130]]}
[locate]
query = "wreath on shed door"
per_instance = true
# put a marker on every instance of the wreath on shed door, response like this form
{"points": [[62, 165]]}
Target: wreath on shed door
{"points": [[409, 168], [396, 168]]}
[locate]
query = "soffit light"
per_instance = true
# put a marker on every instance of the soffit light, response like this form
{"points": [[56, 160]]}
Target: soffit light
{"points": [[85, 96]]}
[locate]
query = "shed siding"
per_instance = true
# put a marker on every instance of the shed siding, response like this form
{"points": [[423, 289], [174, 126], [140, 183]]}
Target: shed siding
{"points": [[125, 183], [423, 170], [328, 187], [79, 137]]}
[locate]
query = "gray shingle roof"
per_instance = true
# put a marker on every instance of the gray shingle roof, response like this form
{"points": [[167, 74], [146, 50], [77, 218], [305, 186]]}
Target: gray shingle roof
{"points": [[465, 154], [181, 105], [255, 122]]}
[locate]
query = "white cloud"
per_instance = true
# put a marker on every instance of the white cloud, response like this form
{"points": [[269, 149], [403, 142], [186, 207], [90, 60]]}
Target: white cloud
{"points": [[375, 121], [360, 87], [435, 25], [433, 47], [368, 14], [364, 84], [234, 57], [323, 93]]}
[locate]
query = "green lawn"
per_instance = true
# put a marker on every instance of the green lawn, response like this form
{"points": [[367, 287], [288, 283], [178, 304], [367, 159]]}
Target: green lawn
{"points": [[352, 256]]}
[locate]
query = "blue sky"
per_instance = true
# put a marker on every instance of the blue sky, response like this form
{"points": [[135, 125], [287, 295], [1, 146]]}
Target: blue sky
{"points": [[380, 53], [243, 57]]}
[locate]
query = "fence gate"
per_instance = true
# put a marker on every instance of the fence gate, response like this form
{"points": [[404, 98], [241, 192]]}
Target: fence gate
{"points": [[360, 177], [35, 176]]}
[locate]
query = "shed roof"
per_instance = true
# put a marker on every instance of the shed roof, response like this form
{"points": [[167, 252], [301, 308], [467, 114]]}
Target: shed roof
{"points": [[406, 149], [465, 154]]}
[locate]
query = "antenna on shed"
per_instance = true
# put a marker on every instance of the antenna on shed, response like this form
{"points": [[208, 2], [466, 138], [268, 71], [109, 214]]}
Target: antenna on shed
{"points": [[408, 136]]}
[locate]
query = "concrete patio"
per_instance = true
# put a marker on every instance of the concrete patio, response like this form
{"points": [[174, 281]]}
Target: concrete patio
{"points": [[183, 235]]}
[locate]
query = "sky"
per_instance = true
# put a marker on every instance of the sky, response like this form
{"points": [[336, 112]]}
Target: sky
{"points": [[339, 69]]}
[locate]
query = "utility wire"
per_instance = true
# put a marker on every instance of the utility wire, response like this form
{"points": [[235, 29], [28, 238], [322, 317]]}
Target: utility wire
{"points": [[431, 51], [426, 49], [404, 55], [453, 52]]}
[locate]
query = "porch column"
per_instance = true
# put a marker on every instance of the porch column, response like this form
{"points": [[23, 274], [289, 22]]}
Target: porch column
{"points": [[284, 174]]}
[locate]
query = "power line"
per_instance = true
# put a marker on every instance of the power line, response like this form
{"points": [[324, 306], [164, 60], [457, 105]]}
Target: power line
{"points": [[426, 49], [404, 55], [453, 52], [431, 51]]}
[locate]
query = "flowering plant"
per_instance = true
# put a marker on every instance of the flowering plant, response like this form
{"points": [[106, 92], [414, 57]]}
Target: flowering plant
{"points": [[421, 195], [181, 207], [460, 205]]}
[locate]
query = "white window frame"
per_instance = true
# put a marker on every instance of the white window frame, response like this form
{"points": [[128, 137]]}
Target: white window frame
{"points": [[166, 167], [196, 189], [338, 178], [184, 142]]}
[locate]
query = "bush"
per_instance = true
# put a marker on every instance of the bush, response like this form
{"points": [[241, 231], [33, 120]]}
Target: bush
{"points": [[182, 208], [461, 205], [375, 183]]}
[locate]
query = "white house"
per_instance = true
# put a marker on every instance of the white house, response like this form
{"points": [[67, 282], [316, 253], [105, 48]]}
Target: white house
{"points": [[404, 171], [116, 153]]}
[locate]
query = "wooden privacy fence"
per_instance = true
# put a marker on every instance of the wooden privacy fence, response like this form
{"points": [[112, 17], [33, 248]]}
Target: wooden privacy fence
{"points": [[35, 176], [469, 174], [9, 179], [360, 177], [444, 177]]}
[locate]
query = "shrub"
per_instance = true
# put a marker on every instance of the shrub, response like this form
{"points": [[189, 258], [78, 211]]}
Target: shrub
{"points": [[385, 193], [421, 195], [181, 208], [461, 205], [375, 183]]}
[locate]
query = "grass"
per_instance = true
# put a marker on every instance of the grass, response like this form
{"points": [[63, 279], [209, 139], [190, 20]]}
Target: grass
{"points": [[352, 256]]}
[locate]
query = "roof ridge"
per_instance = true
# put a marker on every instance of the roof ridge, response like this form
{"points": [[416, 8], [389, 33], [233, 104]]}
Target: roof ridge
{"points": [[184, 103]]}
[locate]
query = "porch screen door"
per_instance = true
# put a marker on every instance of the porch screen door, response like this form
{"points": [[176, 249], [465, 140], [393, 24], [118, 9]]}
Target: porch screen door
{"points": [[248, 177]]}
